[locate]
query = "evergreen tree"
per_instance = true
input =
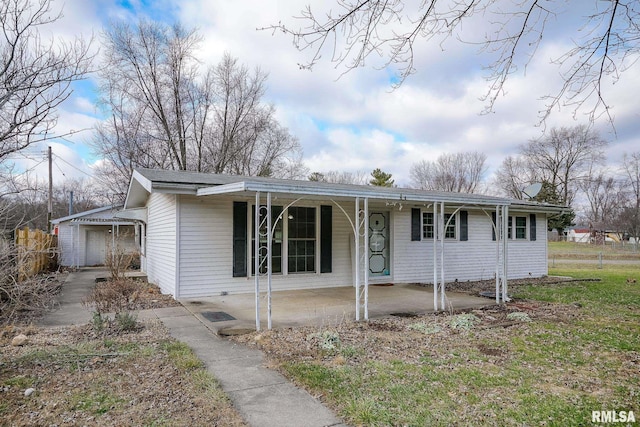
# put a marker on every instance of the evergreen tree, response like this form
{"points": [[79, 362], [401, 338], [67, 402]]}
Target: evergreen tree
{"points": [[381, 179]]}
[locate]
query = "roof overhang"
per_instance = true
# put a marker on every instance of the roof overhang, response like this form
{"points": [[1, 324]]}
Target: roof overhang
{"points": [[303, 189], [135, 214]]}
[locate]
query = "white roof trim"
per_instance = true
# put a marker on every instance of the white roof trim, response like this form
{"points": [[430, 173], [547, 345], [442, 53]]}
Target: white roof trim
{"points": [[138, 214], [81, 214], [371, 192], [222, 189]]}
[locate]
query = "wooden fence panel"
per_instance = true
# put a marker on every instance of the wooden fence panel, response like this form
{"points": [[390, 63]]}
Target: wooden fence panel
{"points": [[36, 251]]}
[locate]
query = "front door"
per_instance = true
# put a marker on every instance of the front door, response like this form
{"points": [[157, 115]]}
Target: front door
{"points": [[379, 244]]}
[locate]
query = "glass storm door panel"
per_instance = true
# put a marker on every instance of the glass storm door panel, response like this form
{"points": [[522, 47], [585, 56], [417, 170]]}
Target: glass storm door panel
{"points": [[379, 244]]}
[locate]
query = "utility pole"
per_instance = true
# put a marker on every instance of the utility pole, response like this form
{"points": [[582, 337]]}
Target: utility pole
{"points": [[50, 207]]}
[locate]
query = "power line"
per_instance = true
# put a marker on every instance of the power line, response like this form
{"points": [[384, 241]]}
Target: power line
{"points": [[81, 171]]}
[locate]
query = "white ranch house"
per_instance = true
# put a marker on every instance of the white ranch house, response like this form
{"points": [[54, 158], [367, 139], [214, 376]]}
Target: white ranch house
{"points": [[197, 235]]}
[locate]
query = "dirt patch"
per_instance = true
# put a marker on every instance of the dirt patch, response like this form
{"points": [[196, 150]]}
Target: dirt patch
{"points": [[402, 338], [477, 286], [73, 376]]}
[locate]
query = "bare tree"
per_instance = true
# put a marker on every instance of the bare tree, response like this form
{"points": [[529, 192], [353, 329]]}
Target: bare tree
{"points": [[165, 112], [36, 74], [565, 157], [457, 172], [630, 216], [513, 175], [352, 31], [337, 177], [605, 199]]}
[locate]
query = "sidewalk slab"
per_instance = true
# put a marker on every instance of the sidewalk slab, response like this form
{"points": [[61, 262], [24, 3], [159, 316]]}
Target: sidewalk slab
{"points": [[292, 403]]}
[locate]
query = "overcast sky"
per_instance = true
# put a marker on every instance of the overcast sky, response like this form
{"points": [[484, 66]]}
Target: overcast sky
{"points": [[355, 122]]}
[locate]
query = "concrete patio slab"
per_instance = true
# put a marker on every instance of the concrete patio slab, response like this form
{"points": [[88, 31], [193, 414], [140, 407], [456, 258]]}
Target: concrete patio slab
{"points": [[324, 307]]}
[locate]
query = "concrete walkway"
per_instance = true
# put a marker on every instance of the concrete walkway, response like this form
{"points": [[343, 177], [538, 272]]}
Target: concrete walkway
{"points": [[262, 396]]}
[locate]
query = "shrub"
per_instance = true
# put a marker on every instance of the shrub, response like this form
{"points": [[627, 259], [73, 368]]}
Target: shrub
{"points": [[464, 321], [327, 340], [519, 316]]}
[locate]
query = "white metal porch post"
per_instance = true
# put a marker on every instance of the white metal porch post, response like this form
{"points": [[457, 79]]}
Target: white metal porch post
{"points": [[443, 228], [505, 253], [497, 227], [366, 258], [356, 236], [435, 257], [269, 259], [256, 261]]}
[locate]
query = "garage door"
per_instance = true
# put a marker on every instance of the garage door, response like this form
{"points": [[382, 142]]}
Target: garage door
{"points": [[96, 247]]}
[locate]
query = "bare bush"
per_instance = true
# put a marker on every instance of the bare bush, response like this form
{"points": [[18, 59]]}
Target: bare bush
{"points": [[112, 296], [22, 299], [120, 258]]}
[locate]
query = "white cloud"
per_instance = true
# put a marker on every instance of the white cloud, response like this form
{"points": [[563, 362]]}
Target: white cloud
{"points": [[356, 122]]}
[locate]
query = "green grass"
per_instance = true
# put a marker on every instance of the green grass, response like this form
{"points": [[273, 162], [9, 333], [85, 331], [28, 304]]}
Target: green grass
{"points": [[182, 356], [554, 372], [589, 251]]}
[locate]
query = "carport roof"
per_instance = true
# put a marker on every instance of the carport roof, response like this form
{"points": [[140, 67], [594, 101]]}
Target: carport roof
{"points": [[146, 181]]}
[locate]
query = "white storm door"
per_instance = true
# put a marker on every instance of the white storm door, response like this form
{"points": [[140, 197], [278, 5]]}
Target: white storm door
{"points": [[379, 244]]}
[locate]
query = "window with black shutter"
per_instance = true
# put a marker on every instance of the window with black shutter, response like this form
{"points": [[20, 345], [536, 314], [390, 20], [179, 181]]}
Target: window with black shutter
{"points": [[464, 226], [326, 231], [415, 224], [532, 227], [493, 226]]}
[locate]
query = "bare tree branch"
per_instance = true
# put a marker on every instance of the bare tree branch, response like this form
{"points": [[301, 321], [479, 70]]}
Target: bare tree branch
{"points": [[36, 75], [607, 44]]}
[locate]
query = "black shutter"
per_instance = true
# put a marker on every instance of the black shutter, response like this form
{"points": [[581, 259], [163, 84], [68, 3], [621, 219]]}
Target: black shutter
{"points": [[326, 231], [493, 228], [239, 239], [532, 227], [415, 224], [464, 226]]}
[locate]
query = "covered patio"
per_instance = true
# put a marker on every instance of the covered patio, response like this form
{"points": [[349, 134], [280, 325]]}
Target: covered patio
{"points": [[322, 307], [364, 236]]}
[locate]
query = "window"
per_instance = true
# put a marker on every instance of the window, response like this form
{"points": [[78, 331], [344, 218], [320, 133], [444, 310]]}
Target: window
{"points": [[450, 232], [521, 227], [276, 242], [301, 243], [427, 225]]}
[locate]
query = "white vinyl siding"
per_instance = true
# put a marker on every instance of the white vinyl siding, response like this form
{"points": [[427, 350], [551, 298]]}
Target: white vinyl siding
{"points": [[161, 242], [66, 244], [474, 259], [206, 259]]}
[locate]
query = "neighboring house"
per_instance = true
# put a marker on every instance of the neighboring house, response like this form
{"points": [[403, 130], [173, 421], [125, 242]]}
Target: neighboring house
{"points": [[579, 235], [85, 238], [594, 235], [199, 235]]}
